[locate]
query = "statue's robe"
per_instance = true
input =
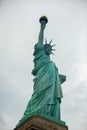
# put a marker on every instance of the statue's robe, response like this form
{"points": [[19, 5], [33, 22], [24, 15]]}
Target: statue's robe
{"points": [[47, 94], [47, 84]]}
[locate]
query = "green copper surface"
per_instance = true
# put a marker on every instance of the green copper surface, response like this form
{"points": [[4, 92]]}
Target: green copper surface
{"points": [[47, 94]]}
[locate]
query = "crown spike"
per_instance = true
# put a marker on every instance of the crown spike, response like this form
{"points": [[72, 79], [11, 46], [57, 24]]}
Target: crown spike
{"points": [[45, 40], [52, 53], [53, 49], [50, 41], [53, 45]]}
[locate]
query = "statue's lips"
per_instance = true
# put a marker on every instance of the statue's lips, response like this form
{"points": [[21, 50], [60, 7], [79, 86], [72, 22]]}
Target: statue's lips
{"points": [[43, 18]]}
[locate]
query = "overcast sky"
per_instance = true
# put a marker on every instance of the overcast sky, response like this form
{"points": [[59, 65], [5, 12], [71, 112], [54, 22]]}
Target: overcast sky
{"points": [[19, 28]]}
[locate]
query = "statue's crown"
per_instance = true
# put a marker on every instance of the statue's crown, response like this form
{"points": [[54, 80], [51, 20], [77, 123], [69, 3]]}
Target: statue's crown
{"points": [[48, 48]]}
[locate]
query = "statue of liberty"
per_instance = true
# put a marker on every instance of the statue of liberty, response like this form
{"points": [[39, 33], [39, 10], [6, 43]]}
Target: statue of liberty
{"points": [[47, 93]]}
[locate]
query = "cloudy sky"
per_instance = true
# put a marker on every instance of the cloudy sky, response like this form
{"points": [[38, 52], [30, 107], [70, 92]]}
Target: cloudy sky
{"points": [[19, 28]]}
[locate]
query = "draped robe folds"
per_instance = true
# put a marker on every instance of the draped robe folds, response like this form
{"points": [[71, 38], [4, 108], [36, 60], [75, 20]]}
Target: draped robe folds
{"points": [[47, 94]]}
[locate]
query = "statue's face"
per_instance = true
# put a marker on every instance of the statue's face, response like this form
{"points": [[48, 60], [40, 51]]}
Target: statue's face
{"points": [[47, 50]]}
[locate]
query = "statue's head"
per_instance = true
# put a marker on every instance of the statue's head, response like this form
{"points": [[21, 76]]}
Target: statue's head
{"points": [[48, 48]]}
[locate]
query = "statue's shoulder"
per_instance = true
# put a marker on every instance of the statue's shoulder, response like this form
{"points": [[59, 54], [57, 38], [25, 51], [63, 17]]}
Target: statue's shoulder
{"points": [[38, 46]]}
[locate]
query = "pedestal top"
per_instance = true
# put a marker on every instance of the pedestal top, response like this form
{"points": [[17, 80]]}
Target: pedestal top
{"points": [[40, 123]]}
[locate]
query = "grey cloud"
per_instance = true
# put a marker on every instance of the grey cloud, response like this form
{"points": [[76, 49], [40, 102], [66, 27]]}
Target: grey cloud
{"points": [[2, 121], [74, 105]]}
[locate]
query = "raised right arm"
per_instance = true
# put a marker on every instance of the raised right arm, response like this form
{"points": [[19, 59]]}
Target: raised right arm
{"points": [[41, 33]]}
